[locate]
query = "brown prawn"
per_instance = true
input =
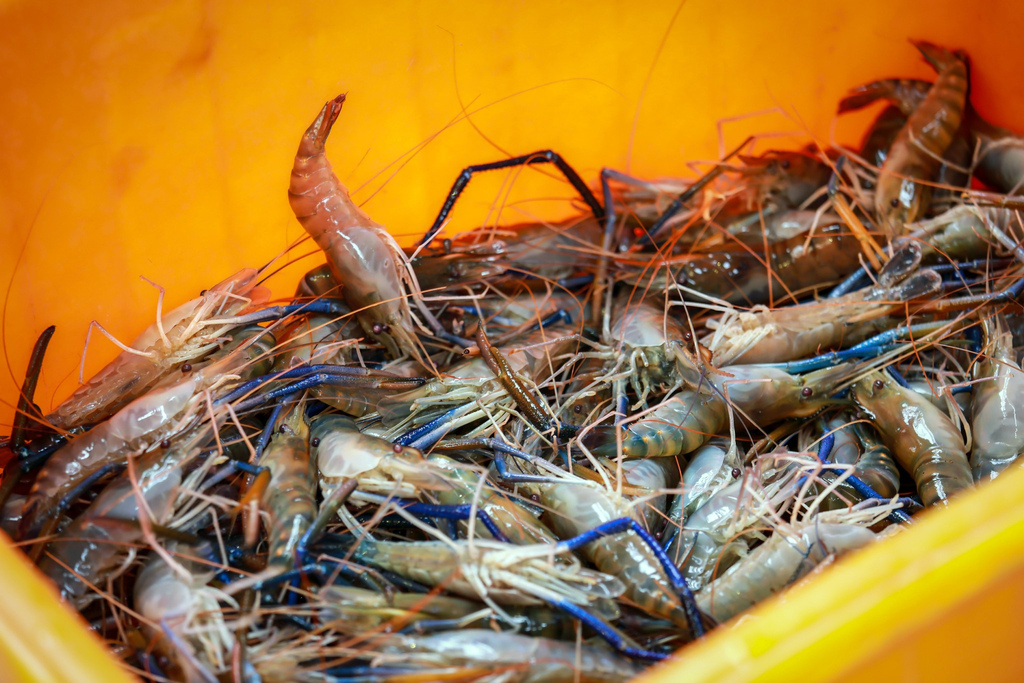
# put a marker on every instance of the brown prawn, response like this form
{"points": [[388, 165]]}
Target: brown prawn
{"points": [[900, 196], [924, 440]]}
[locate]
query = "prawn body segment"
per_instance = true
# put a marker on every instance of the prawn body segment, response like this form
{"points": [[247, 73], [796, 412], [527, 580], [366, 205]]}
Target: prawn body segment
{"points": [[363, 257], [923, 439]]}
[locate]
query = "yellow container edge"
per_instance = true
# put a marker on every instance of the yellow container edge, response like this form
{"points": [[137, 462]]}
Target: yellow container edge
{"points": [[42, 639]]}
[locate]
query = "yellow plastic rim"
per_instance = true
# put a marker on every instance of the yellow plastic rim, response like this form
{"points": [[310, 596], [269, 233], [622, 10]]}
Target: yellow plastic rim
{"points": [[42, 639]]}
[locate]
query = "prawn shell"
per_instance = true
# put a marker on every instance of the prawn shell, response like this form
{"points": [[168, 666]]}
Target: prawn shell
{"points": [[918, 149], [573, 510], [923, 439], [997, 408], [775, 564]]}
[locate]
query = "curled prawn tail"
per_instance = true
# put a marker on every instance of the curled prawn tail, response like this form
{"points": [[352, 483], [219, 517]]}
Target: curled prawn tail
{"points": [[864, 95], [316, 135], [317, 197], [904, 93], [939, 57]]}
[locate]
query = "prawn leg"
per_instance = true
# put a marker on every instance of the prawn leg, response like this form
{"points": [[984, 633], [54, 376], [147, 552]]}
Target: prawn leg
{"points": [[14, 471], [869, 348], [321, 379], [322, 306], [859, 485], [324, 374], [532, 405], [456, 513], [686, 195], [866, 491], [502, 449], [430, 433], [623, 524], [327, 512], [541, 157], [608, 634]]}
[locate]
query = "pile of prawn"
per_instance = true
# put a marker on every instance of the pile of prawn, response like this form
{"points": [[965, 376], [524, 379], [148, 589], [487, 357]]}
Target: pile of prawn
{"points": [[546, 451]]}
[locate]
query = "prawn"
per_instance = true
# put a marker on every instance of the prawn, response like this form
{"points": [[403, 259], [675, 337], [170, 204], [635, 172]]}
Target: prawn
{"points": [[363, 257], [1000, 162], [660, 352], [677, 426], [184, 615], [496, 573], [530, 357], [290, 497], [783, 334], [718, 532], [574, 508], [100, 539], [342, 452], [900, 196], [998, 396], [791, 552], [856, 444], [184, 334], [761, 394], [764, 394], [138, 426], [745, 275], [923, 439], [355, 611], [547, 251], [962, 232], [533, 660]]}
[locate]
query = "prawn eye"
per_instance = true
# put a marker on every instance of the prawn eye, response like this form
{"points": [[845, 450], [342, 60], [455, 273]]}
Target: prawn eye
{"points": [[736, 472], [784, 163], [577, 409], [186, 368], [879, 384], [894, 202], [447, 245], [688, 336], [807, 392], [165, 444], [398, 448], [534, 497], [377, 328], [314, 442], [203, 293], [285, 429]]}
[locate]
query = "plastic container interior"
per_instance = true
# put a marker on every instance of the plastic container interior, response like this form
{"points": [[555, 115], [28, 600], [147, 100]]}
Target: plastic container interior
{"points": [[155, 139]]}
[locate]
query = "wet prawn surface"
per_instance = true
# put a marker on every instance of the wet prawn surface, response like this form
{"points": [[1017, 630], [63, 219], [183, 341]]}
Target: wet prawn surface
{"points": [[552, 451]]}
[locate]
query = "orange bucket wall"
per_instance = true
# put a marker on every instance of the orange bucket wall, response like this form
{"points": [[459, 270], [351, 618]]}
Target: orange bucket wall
{"points": [[155, 139]]}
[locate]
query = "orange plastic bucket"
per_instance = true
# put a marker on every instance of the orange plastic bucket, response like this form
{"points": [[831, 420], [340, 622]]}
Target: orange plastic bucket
{"points": [[155, 139]]}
